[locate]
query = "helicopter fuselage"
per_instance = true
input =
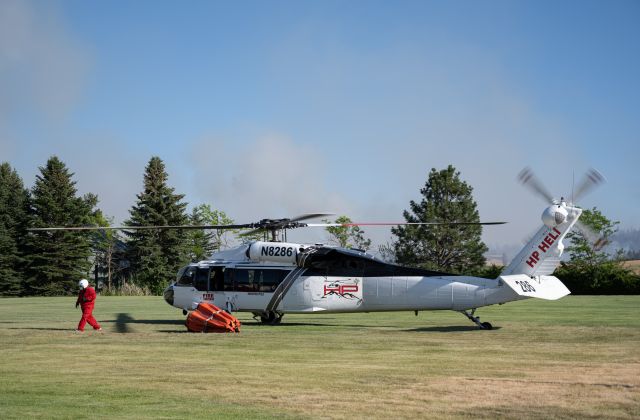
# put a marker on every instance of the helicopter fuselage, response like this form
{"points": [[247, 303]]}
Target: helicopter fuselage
{"points": [[327, 280], [320, 293]]}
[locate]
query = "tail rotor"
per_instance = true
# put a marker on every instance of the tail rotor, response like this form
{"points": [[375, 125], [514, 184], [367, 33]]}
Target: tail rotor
{"points": [[591, 180]]}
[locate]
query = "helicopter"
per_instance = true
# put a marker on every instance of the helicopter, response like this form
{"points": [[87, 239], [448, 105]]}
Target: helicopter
{"points": [[273, 277]]}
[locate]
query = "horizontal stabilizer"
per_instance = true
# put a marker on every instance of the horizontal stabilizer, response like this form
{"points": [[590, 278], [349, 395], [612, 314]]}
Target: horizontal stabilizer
{"points": [[542, 287]]}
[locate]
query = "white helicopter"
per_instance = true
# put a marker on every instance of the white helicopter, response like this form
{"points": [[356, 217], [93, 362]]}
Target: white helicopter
{"points": [[271, 279]]}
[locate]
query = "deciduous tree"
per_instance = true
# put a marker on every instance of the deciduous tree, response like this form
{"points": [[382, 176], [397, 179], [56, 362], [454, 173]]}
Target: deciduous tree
{"points": [[221, 238], [109, 249], [200, 242], [591, 269], [347, 236]]}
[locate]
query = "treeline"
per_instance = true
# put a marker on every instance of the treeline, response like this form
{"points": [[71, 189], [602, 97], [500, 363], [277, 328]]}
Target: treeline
{"points": [[52, 262], [146, 260], [629, 240]]}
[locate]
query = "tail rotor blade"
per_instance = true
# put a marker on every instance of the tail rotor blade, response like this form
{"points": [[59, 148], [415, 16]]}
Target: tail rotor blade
{"points": [[529, 179], [591, 180]]}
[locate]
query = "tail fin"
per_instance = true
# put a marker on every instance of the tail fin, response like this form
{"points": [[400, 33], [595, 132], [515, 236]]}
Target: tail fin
{"points": [[542, 287], [541, 255]]}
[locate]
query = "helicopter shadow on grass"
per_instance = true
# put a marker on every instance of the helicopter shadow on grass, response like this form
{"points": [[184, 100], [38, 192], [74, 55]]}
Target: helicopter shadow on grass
{"points": [[292, 324], [315, 324], [451, 328], [124, 320]]}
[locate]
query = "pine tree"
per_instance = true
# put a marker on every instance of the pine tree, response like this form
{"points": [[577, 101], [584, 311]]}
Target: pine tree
{"points": [[157, 254], [445, 247], [14, 220], [58, 259]]}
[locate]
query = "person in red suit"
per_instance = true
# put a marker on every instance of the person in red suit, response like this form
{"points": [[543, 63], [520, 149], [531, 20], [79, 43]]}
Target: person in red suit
{"points": [[86, 300]]}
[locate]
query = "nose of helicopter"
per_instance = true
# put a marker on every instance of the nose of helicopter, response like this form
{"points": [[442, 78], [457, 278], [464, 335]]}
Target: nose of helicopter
{"points": [[168, 295]]}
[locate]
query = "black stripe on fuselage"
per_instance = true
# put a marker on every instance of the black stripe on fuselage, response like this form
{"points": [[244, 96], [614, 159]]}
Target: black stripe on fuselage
{"points": [[283, 288]]}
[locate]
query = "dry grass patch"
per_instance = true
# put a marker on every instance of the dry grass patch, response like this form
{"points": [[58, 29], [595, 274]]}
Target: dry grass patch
{"points": [[633, 265]]}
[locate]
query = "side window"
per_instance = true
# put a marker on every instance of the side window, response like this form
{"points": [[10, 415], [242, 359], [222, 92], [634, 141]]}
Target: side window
{"points": [[241, 278], [202, 279], [229, 275], [260, 280], [216, 279], [187, 277], [247, 280], [271, 279]]}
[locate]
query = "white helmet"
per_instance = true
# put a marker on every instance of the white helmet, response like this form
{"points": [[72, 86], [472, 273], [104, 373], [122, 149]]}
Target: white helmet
{"points": [[83, 283]]}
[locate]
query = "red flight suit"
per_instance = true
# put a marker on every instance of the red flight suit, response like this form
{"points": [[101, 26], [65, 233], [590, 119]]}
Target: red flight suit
{"points": [[86, 300]]}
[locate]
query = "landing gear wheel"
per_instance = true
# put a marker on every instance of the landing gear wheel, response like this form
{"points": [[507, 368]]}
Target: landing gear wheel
{"points": [[271, 318], [476, 320], [486, 326], [184, 312]]}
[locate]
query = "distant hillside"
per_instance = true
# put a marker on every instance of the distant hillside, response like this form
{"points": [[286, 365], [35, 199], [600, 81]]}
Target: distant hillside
{"points": [[634, 265], [629, 241]]}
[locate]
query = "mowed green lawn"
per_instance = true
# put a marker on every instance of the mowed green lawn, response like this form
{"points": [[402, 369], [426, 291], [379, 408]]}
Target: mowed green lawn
{"points": [[576, 357]]}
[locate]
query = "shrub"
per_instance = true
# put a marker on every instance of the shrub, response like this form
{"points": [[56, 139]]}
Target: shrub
{"points": [[127, 289]]}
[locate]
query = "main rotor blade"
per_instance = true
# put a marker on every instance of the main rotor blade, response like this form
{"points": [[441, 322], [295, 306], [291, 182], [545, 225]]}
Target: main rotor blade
{"points": [[529, 179], [186, 227], [401, 224], [591, 180], [310, 216], [266, 224], [258, 227]]}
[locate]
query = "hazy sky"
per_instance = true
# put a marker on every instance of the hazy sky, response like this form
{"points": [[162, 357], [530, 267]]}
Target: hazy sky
{"points": [[275, 108]]}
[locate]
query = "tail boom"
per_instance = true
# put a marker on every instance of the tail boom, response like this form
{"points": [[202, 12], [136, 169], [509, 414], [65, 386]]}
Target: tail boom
{"points": [[541, 255]]}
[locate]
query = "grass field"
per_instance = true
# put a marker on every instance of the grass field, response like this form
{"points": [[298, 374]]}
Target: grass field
{"points": [[577, 357]]}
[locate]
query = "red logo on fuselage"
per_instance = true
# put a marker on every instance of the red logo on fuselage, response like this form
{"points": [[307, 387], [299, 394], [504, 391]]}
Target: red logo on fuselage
{"points": [[340, 289], [544, 246]]}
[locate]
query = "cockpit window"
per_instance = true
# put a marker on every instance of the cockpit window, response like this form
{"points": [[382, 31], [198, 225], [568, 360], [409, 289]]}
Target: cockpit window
{"points": [[186, 279]]}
